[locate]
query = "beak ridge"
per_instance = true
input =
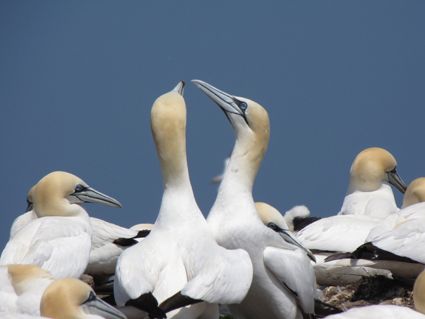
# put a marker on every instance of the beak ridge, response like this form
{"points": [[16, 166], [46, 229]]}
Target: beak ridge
{"points": [[224, 100], [395, 180], [180, 88], [90, 195], [292, 241]]}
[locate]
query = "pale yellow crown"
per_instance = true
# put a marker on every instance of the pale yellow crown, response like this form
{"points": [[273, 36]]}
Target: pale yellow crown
{"points": [[370, 167], [168, 122], [269, 214], [63, 297], [49, 194], [415, 192]]}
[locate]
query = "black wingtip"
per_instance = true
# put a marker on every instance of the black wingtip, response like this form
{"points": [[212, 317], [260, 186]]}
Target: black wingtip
{"points": [[177, 301], [148, 303], [142, 233], [125, 242]]}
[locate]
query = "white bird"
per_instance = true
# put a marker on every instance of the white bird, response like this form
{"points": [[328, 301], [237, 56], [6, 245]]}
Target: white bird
{"points": [[25, 289], [400, 236], [283, 284], [179, 263], [273, 219], [21, 288], [369, 200], [59, 240], [369, 192], [108, 240], [72, 298], [391, 311], [270, 215]]}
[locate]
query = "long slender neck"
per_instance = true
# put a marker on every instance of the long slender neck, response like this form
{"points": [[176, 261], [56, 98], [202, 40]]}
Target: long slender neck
{"points": [[240, 173], [170, 141], [178, 201]]}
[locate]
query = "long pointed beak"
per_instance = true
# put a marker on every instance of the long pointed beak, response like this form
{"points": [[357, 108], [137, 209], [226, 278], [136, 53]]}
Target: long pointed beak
{"points": [[395, 180], [292, 241], [90, 195], [179, 88], [102, 309], [225, 101]]}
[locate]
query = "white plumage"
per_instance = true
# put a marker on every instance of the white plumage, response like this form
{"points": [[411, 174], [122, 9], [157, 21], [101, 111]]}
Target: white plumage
{"points": [[49, 242], [379, 312], [403, 233], [21, 288], [337, 233], [368, 201], [281, 288], [59, 240], [180, 253], [103, 252]]}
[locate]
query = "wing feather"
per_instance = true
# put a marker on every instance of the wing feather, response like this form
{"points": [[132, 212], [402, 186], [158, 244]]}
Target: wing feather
{"points": [[293, 269]]}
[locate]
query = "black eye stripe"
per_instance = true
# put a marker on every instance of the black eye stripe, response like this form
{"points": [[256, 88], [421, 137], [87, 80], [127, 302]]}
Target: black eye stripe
{"points": [[79, 188], [91, 297], [241, 104]]}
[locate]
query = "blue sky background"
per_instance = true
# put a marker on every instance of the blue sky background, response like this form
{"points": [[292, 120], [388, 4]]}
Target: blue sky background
{"points": [[78, 78]]}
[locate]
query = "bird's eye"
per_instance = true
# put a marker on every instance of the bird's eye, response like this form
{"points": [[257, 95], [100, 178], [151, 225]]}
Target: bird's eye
{"points": [[91, 297], [393, 171], [79, 188], [243, 106]]}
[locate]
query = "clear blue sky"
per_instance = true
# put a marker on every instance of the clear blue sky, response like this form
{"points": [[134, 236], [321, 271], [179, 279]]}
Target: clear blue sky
{"points": [[78, 78]]}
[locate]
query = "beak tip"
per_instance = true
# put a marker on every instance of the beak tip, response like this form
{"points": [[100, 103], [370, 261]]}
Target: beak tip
{"points": [[197, 82]]}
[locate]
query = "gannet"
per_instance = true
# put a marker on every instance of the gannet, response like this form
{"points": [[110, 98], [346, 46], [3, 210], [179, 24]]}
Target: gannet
{"points": [[71, 298], [59, 240], [283, 285], [272, 218], [21, 288], [179, 263], [369, 200], [400, 236], [369, 192], [108, 242], [391, 311], [25, 289]]}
